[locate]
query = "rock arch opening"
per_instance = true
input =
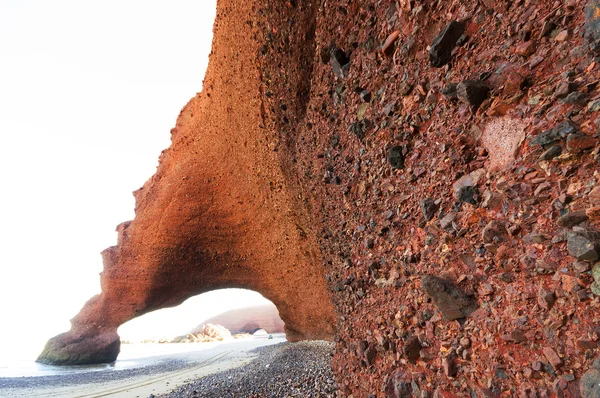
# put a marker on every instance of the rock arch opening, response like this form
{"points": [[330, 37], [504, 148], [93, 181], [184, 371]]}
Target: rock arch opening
{"points": [[240, 312]]}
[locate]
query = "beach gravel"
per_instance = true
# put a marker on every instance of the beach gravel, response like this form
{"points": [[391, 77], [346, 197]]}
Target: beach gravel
{"points": [[284, 370]]}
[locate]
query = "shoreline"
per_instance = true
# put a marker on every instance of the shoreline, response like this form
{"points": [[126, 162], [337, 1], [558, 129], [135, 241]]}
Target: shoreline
{"points": [[152, 375]]}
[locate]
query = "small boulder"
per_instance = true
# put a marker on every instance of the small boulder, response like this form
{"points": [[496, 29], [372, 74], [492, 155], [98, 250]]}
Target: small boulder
{"points": [[399, 386], [440, 51], [429, 208], [396, 158], [590, 382], [556, 133], [580, 142], [592, 24], [572, 219], [583, 246], [493, 232], [452, 302], [472, 92]]}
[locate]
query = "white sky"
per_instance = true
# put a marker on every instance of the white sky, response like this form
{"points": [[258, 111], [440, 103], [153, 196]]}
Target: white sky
{"points": [[89, 91]]}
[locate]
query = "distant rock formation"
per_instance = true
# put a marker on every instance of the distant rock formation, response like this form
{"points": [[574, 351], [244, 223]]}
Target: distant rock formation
{"points": [[250, 319], [206, 332]]}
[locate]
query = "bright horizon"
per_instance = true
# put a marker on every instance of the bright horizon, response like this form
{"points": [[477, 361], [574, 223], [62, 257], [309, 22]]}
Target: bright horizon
{"points": [[89, 92]]}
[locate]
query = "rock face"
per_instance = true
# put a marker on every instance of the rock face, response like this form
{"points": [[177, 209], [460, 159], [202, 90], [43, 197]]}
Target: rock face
{"points": [[223, 210], [444, 267], [249, 320]]}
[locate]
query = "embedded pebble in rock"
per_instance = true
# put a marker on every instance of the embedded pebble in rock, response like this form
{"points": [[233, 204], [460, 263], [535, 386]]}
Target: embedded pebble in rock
{"points": [[399, 386], [571, 219], [551, 153], [582, 247], [579, 142], [556, 133], [592, 24], [452, 302], [577, 98], [450, 90], [546, 299], [590, 384], [493, 232], [472, 92], [526, 49], [440, 52], [396, 158], [429, 208], [412, 349], [339, 62], [552, 357]]}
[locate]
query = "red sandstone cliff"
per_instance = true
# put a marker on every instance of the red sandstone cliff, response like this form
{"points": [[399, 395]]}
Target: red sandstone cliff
{"points": [[435, 162]]}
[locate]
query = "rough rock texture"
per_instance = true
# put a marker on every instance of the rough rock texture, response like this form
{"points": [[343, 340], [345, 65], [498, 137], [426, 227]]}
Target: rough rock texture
{"points": [[317, 168], [249, 320]]}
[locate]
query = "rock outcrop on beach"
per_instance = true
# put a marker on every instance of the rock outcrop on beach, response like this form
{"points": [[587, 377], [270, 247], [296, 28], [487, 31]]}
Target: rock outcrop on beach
{"points": [[418, 178], [207, 332], [250, 319]]}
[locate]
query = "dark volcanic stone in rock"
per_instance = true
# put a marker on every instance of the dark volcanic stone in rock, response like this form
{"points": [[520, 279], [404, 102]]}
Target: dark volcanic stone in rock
{"points": [[472, 92], [577, 98], [452, 302], [551, 153], [564, 89], [389, 108], [571, 219], [370, 355], [468, 194], [450, 90], [546, 299], [440, 52], [339, 62], [428, 207], [404, 89], [412, 349], [592, 24], [365, 95], [399, 386], [556, 133], [583, 247], [396, 158]]}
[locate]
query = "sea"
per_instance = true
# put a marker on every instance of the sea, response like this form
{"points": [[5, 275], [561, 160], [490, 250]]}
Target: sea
{"points": [[20, 361]]}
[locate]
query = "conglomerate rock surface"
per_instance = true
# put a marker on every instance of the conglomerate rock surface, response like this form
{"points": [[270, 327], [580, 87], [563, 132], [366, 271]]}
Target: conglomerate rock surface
{"points": [[436, 162]]}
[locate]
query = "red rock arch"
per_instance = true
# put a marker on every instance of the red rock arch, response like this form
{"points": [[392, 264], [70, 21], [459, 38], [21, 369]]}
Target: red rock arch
{"points": [[221, 211]]}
